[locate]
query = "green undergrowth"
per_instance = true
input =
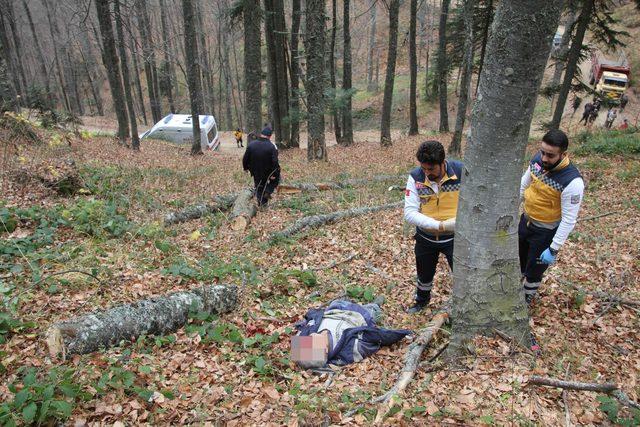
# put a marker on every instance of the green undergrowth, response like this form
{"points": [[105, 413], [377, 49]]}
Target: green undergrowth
{"points": [[609, 142]]}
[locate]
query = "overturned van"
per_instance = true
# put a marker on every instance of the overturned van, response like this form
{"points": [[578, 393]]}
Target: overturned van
{"points": [[177, 128]]}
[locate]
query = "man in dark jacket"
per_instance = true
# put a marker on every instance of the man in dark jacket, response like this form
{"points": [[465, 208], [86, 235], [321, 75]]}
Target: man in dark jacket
{"points": [[261, 160]]}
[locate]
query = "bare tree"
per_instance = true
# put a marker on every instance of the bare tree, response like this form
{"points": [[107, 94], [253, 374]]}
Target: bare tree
{"points": [[148, 52], [168, 72], [193, 71], [442, 66], [335, 110], [294, 102], [385, 125], [252, 65], [315, 84], [487, 292], [372, 85], [413, 70], [135, 140], [42, 67], [111, 63], [467, 69], [347, 119]]}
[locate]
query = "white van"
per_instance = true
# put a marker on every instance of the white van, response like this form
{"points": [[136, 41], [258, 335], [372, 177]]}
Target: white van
{"points": [[177, 128]]}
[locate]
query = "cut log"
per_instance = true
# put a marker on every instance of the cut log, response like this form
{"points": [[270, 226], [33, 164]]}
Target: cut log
{"points": [[411, 361], [316, 221], [242, 211], [220, 204], [154, 316], [305, 187]]}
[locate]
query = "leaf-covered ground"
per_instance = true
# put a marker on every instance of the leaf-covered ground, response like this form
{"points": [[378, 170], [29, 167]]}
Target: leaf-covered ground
{"points": [[234, 369]]}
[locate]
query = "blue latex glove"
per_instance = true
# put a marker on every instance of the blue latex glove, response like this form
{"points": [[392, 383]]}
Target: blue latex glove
{"points": [[547, 257]]}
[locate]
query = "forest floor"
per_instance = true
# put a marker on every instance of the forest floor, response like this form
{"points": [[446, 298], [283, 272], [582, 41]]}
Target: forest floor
{"points": [[235, 370]]}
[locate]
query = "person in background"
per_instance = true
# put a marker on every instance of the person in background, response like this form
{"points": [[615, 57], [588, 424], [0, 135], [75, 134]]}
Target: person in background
{"points": [[238, 135]]}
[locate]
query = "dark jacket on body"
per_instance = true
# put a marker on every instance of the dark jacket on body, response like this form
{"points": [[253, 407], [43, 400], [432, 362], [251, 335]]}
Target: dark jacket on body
{"points": [[261, 159]]}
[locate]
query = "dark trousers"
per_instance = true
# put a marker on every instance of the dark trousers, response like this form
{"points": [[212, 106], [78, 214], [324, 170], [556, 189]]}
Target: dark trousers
{"points": [[427, 254], [532, 241], [264, 188]]}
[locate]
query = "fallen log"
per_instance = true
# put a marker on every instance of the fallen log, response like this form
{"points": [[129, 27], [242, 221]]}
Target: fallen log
{"points": [[305, 187], [411, 361], [153, 316], [316, 221], [242, 211], [220, 204], [608, 388]]}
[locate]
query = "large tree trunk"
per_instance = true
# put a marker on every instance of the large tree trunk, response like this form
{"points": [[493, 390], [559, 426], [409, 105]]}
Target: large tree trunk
{"points": [[205, 61], [193, 72], [252, 66], [315, 46], [413, 70], [443, 67], [154, 316], [455, 148], [275, 34], [294, 105], [135, 140], [347, 119], [6, 53], [220, 204], [42, 67], [487, 292], [90, 66], [385, 123], [169, 75], [335, 109], [111, 63], [371, 85], [488, 20], [8, 6], [150, 70], [572, 62]]}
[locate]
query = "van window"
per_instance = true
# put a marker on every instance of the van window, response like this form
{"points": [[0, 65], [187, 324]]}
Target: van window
{"points": [[615, 82]]}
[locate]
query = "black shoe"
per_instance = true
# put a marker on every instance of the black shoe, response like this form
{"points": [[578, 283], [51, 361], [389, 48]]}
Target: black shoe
{"points": [[416, 308]]}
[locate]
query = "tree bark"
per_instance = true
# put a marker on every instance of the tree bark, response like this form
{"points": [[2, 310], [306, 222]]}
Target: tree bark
{"points": [[443, 67], [487, 291], [220, 204], [14, 81], [385, 123], [294, 106], [371, 84], [413, 70], [11, 18], [193, 72], [315, 85], [572, 61], [316, 221], [242, 211], [455, 148], [135, 139], [335, 108], [252, 66], [169, 75], [154, 316], [54, 33], [488, 20], [347, 119], [111, 63], [304, 187], [572, 385]]}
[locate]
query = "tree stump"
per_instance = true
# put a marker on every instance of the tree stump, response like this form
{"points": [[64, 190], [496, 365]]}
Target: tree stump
{"points": [[154, 316]]}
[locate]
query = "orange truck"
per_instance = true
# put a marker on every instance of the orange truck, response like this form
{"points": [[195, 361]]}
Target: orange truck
{"points": [[610, 77]]}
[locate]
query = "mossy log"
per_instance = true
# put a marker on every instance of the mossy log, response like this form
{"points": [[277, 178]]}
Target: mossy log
{"points": [[306, 187], [316, 221], [220, 204], [154, 316], [243, 210]]}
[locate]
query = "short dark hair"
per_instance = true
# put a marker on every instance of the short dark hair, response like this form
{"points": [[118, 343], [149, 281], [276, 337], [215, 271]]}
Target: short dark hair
{"points": [[557, 138], [431, 152]]}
